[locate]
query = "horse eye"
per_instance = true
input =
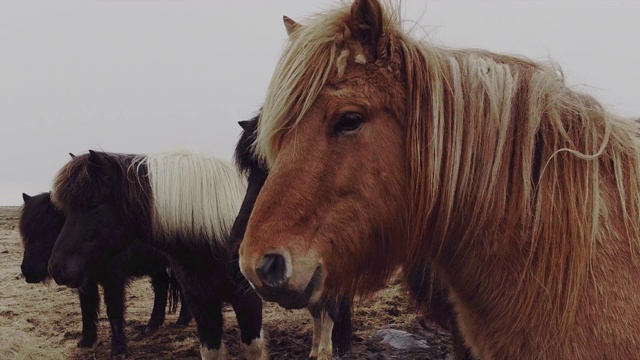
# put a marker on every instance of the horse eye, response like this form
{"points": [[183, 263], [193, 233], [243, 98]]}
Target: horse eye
{"points": [[347, 123]]}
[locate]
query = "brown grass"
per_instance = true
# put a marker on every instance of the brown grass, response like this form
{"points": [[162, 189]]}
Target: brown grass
{"points": [[43, 321]]}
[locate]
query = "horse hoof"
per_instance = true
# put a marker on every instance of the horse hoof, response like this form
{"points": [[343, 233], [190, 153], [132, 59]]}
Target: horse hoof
{"points": [[150, 329], [86, 343], [183, 322], [119, 352], [324, 355]]}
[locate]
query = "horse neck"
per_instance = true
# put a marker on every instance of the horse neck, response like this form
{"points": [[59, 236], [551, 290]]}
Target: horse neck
{"points": [[493, 281], [255, 182]]}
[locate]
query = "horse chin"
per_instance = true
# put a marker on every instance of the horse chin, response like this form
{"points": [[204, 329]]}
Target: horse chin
{"points": [[292, 299], [78, 282], [74, 282]]}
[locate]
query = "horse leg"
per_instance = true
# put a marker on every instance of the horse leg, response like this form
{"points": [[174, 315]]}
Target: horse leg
{"points": [[176, 296], [160, 284], [185, 316], [325, 348], [248, 309], [331, 326], [460, 349], [316, 313], [114, 290], [89, 306], [208, 316], [340, 312]]}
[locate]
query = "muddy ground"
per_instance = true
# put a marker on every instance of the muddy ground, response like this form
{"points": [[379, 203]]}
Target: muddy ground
{"points": [[43, 321]]}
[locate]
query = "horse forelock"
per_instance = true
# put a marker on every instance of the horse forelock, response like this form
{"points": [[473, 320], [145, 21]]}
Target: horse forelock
{"points": [[196, 197], [319, 52], [72, 184]]}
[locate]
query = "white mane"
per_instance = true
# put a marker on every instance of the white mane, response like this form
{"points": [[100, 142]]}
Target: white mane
{"points": [[195, 197]]}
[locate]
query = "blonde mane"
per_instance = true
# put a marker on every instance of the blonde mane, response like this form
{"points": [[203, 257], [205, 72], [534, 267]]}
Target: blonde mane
{"points": [[195, 197], [503, 156]]}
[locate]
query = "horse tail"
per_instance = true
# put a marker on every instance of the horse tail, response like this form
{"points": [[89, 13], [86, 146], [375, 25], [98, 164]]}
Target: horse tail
{"points": [[342, 329], [174, 293]]}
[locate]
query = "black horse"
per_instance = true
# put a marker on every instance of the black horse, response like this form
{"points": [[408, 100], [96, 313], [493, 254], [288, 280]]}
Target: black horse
{"points": [[40, 224], [331, 322], [181, 204]]}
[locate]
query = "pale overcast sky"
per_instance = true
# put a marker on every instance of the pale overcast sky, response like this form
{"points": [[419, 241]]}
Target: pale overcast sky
{"points": [[152, 76]]}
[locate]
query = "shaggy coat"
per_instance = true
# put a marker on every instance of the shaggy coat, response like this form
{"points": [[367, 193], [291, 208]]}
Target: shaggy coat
{"points": [[520, 194], [181, 204], [40, 223]]}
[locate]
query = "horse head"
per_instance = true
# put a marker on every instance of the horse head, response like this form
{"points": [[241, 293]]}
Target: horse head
{"points": [[86, 189], [40, 223], [332, 133]]}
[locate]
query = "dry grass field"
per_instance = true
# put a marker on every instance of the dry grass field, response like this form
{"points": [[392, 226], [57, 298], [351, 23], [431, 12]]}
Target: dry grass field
{"points": [[43, 321]]}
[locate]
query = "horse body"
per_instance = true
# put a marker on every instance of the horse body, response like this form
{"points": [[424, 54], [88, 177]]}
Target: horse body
{"points": [[481, 171], [40, 224], [331, 318], [180, 204]]}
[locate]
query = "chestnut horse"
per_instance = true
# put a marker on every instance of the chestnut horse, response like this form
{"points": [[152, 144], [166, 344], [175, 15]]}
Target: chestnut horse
{"points": [[331, 318], [181, 204], [521, 193]]}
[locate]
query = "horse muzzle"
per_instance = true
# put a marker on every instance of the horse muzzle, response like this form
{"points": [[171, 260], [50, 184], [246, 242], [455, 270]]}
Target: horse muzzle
{"points": [[34, 274], [291, 299], [274, 279], [68, 273]]}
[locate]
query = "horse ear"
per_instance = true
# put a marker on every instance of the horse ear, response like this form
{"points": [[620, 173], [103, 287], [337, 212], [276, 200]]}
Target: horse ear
{"points": [[290, 25], [244, 123], [365, 23], [25, 197], [71, 154], [101, 167], [94, 158]]}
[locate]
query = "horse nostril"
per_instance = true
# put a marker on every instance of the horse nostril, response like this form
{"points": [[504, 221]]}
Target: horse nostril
{"points": [[272, 270]]}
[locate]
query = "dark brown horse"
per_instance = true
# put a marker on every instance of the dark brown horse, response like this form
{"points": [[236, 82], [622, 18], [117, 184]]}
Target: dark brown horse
{"points": [[40, 223], [181, 204], [332, 317], [522, 194]]}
